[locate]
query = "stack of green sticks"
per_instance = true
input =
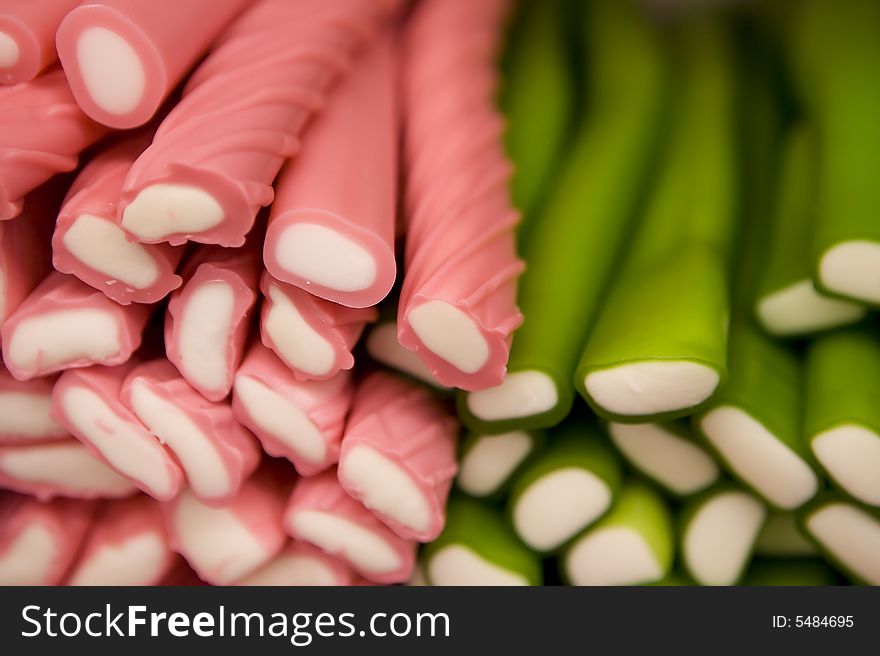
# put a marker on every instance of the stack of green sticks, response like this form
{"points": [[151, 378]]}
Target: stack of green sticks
{"points": [[694, 396]]}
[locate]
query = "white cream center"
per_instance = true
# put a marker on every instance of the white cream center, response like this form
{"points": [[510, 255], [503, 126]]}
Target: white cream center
{"points": [[101, 244], [9, 51], [298, 343], [851, 535], [204, 335], [161, 210], [459, 565], [521, 394], [852, 268], [382, 345], [612, 556], [111, 70], [325, 256], [29, 558], [851, 454], [450, 334], [292, 570], [139, 560], [491, 461], [799, 309], [24, 414]]}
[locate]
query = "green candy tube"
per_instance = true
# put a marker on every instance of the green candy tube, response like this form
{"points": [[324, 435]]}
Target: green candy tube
{"points": [[659, 347], [488, 463], [565, 489], [842, 418], [781, 572], [477, 547], [781, 537], [572, 246], [631, 545]]}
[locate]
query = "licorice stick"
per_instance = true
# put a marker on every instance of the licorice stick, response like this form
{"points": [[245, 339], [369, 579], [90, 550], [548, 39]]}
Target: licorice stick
{"points": [[398, 455], [320, 512], [211, 165], [383, 347], [667, 453], [583, 223], [90, 245], [300, 563], [42, 132], [123, 57], [88, 403], [490, 462], [477, 548], [294, 419], [127, 545], [60, 469], [312, 336], [781, 537], [333, 235], [632, 545], [27, 37], [458, 301], [25, 411], [659, 347], [208, 319], [577, 466], [39, 540], [841, 416], [780, 572]]}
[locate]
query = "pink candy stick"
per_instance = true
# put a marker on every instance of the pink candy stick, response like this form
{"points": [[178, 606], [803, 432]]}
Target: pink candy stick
{"points": [[398, 455], [209, 317], [213, 160], [331, 230], [458, 301], [66, 324], [126, 546], [223, 544], [299, 563], [39, 540], [123, 57], [88, 403], [60, 469], [298, 420], [27, 37], [42, 131], [320, 512], [313, 337], [90, 245], [25, 407], [216, 452]]}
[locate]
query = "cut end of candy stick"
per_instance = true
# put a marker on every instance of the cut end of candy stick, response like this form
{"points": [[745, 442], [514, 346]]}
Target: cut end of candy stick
{"points": [[852, 269], [851, 535], [759, 457], [301, 564], [450, 334], [614, 555], [25, 416], [111, 71], [458, 565], [491, 461], [850, 453], [29, 557], [523, 393], [383, 346], [161, 211], [9, 51], [297, 342], [203, 334], [800, 310], [143, 555]]}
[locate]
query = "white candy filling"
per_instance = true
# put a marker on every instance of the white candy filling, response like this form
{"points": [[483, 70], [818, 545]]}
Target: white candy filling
{"points": [[139, 560], [24, 414], [299, 343], [851, 455], [558, 505], [851, 535], [677, 463], [29, 557], [165, 209], [220, 546], [799, 309], [204, 335], [358, 545], [719, 538], [325, 256], [461, 565], [450, 334], [852, 268], [205, 471], [9, 51], [491, 461], [46, 341], [521, 394], [762, 460], [612, 556], [292, 569], [385, 487], [651, 387], [111, 70], [129, 450], [281, 418], [382, 345]]}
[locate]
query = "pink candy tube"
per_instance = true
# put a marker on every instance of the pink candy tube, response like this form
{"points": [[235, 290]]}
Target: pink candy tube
{"points": [[123, 57], [398, 455], [312, 336], [458, 301], [223, 544], [66, 324], [42, 131], [213, 160], [320, 512], [126, 546], [90, 245], [88, 403], [209, 317], [217, 454], [25, 411], [27, 37], [38, 540], [298, 420], [299, 563], [331, 230]]}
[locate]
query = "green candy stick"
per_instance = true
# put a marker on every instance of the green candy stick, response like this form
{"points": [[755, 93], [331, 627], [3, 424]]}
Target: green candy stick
{"points": [[781, 572], [572, 246], [631, 545], [781, 537], [477, 547], [659, 346], [489, 462]]}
